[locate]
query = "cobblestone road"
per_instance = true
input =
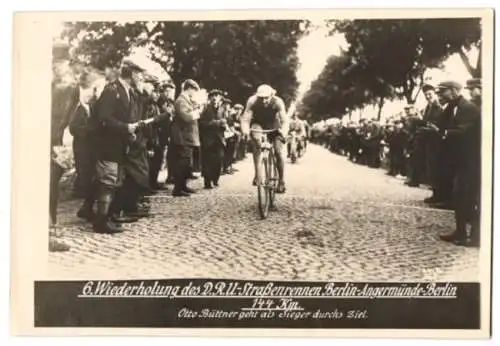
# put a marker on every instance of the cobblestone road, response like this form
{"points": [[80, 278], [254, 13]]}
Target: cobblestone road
{"points": [[337, 221]]}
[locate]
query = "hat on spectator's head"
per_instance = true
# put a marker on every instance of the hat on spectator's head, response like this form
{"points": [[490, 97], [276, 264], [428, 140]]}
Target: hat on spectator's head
{"points": [[167, 85], [127, 63], [190, 84], [473, 83], [427, 87], [227, 100], [238, 106], [215, 92], [447, 85]]}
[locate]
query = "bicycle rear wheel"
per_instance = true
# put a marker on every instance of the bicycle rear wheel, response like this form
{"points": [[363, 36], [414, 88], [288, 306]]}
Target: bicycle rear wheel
{"points": [[262, 188]]}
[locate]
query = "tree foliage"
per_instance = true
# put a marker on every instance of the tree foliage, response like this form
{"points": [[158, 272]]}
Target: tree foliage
{"points": [[398, 51], [234, 55], [386, 59]]}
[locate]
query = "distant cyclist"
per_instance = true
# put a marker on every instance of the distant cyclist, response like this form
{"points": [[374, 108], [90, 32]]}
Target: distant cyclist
{"points": [[266, 111], [297, 127]]}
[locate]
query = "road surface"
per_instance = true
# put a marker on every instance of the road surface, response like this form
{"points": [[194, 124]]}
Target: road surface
{"points": [[338, 221]]}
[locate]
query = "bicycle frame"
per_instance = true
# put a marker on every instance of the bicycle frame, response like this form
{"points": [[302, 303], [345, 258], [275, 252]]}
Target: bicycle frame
{"points": [[293, 142], [266, 189]]}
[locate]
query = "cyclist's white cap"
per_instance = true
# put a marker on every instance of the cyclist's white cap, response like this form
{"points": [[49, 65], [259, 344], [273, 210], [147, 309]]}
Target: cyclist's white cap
{"points": [[265, 90]]}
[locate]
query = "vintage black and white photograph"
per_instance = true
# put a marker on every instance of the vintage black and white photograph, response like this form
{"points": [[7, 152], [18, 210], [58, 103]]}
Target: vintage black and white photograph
{"points": [[343, 149]]}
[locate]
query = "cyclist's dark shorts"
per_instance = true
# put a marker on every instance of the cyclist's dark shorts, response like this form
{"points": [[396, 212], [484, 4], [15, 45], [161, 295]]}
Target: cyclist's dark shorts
{"points": [[272, 136]]}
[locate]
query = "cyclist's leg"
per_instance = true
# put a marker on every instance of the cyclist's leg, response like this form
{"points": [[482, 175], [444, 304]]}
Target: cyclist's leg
{"points": [[256, 139], [279, 149]]}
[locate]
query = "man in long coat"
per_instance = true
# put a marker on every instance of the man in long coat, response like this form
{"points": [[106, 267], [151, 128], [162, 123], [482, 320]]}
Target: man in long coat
{"points": [[461, 142], [184, 137], [136, 163]]}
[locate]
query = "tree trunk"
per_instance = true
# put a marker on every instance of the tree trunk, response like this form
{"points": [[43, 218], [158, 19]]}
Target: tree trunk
{"points": [[408, 95], [380, 106], [473, 71], [408, 91]]}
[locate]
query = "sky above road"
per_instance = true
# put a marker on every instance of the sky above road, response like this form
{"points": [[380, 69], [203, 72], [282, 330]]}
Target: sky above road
{"points": [[314, 49]]}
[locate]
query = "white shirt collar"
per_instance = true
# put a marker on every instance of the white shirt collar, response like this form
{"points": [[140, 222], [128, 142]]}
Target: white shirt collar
{"points": [[126, 86], [86, 106]]}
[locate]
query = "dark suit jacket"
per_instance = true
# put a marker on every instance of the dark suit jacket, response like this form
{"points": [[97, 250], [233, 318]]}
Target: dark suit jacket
{"points": [[113, 114], [81, 129], [211, 128], [184, 125], [463, 127], [432, 113]]}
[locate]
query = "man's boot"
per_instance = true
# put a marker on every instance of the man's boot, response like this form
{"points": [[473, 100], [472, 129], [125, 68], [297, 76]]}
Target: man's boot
{"points": [[86, 211], [101, 221], [207, 184], [122, 217]]}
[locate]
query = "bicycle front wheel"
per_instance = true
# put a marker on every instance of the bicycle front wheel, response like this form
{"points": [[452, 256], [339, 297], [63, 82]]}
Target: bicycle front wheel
{"points": [[272, 173], [262, 188]]}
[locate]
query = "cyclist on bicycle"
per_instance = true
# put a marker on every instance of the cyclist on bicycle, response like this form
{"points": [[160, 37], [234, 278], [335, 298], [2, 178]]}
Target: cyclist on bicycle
{"points": [[297, 127], [266, 111]]}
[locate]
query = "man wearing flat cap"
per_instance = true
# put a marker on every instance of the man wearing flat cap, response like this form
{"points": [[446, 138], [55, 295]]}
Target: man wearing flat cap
{"points": [[212, 125], [460, 147], [167, 91], [185, 136]]}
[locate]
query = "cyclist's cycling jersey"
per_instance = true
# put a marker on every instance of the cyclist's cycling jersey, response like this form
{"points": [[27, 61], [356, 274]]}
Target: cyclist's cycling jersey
{"points": [[266, 116], [298, 127]]}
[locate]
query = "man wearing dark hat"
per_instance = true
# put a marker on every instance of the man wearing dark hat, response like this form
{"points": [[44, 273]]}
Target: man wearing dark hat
{"points": [[184, 136], [212, 125], [461, 124]]}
